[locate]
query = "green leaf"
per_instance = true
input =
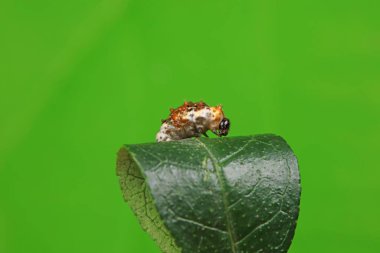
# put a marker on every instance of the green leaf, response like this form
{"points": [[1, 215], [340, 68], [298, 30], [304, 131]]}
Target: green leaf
{"points": [[238, 194]]}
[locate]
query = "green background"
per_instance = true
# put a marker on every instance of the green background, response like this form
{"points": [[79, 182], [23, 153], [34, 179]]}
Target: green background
{"points": [[80, 78]]}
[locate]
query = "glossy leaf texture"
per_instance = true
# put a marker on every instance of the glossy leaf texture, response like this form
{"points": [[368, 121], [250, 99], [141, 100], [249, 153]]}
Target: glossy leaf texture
{"points": [[234, 194]]}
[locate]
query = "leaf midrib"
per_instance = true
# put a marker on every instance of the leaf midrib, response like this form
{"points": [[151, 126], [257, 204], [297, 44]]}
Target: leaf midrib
{"points": [[220, 177]]}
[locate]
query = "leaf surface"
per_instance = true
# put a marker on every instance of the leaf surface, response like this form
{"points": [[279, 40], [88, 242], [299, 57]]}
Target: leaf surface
{"points": [[238, 194]]}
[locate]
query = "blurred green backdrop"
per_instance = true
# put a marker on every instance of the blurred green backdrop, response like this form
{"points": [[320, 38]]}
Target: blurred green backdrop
{"points": [[80, 78]]}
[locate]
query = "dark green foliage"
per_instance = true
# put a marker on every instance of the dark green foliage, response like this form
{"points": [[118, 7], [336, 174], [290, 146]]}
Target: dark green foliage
{"points": [[238, 194]]}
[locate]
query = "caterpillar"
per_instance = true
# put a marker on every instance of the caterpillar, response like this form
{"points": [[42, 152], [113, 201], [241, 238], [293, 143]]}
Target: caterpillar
{"points": [[193, 120]]}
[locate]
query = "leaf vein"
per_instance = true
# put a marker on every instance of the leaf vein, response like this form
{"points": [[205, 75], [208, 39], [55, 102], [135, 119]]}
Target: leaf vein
{"points": [[236, 152], [219, 172], [200, 225]]}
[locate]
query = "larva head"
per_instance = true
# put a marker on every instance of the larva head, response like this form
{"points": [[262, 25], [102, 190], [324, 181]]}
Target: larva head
{"points": [[224, 126]]}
